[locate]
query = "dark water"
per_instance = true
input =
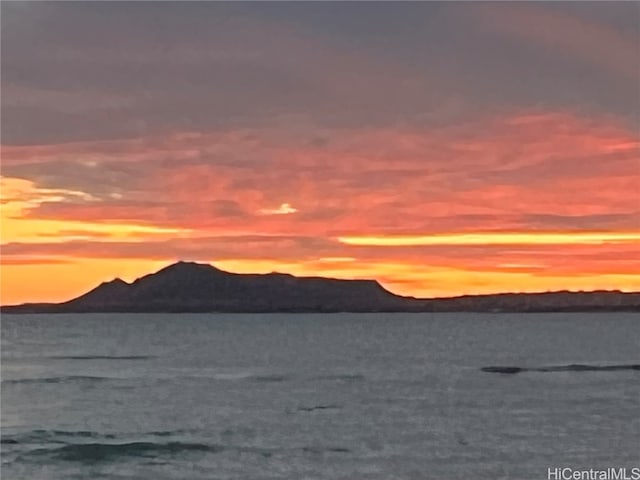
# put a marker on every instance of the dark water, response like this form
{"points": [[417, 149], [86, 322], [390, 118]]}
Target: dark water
{"points": [[343, 396]]}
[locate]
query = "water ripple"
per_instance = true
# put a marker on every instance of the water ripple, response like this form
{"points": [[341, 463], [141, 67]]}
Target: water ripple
{"points": [[574, 367]]}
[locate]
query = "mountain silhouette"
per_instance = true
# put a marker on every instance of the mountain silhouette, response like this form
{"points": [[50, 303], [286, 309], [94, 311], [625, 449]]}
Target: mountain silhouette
{"points": [[197, 287]]}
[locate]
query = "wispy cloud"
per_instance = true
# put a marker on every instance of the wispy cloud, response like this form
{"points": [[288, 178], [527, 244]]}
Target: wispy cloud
{"points": [[283, 209]]}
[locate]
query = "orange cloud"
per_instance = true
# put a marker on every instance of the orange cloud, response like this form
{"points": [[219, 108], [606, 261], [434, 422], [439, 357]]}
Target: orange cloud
{"points": [[530, 200], [20, 196]]}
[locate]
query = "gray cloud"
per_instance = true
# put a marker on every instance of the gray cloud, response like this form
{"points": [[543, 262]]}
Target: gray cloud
{"points": [[88, 70]]}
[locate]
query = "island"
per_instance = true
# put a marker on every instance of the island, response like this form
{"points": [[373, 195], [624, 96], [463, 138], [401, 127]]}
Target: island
{"points": [[198, 287]]}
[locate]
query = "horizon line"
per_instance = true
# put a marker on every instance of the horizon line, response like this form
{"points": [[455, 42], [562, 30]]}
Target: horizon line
{"points": [[212, 265]]}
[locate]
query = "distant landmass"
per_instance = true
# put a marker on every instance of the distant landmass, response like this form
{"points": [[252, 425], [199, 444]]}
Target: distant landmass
{"points": [[195, 287]]}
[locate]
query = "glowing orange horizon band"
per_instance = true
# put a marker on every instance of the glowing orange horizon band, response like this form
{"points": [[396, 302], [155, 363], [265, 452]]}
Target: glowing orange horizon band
{"points": [[487, 238]]}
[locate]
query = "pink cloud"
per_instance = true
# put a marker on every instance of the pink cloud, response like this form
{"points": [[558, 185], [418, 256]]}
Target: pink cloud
{"points": [[505, 172]]}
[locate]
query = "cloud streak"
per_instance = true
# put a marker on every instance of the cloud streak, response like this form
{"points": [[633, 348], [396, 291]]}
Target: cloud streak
{"points": [[502, 238]]}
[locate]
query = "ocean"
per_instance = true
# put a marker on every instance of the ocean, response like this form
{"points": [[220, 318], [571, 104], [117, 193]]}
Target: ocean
{"points": [[317, 396]]}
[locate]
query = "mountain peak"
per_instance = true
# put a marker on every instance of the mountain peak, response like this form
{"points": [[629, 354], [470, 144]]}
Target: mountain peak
{"points": [[187, 266], [201, 287], [115, 283]]}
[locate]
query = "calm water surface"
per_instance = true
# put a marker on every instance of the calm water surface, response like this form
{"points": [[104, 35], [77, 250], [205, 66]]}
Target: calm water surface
{"points": [[344, 396]]}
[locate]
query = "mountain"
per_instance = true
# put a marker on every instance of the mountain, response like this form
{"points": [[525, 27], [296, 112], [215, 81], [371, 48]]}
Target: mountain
{"points": [[195, 287]]}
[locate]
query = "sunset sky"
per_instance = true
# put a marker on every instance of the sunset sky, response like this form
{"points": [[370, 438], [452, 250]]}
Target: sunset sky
{"points": [[441, 148]]}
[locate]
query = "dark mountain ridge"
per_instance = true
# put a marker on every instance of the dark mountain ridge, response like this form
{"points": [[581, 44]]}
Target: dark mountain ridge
{"points": [[196, 287]]}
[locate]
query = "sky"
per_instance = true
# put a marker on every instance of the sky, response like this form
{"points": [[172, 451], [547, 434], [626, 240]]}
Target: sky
{"points": [[440, 148]]}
